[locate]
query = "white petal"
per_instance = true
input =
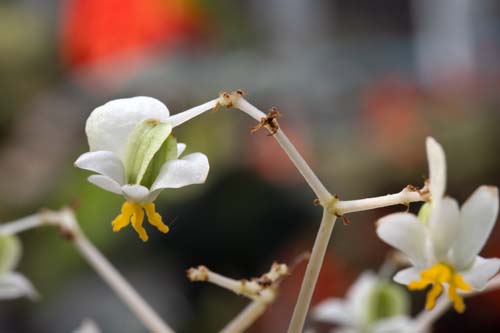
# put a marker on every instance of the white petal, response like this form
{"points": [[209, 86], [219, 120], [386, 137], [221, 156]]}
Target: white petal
{"points": [[481, 272], [406, 233], [105, 183], [10, 252], [399, 324], [135, 193], [109, 126], [192, 169], [444, 224], [357, 296], [180, 149], [333, 311], [182, 117], [407, 275], [437, 169], [103, 162], [478, 216], [15, 285], [88, 326]]}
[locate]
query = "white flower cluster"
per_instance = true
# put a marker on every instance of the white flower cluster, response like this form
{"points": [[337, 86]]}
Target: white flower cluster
{"points": [[442, 243]]}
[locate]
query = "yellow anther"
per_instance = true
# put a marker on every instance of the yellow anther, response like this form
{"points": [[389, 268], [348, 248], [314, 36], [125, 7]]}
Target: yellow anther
{"points": [[437, 275], [154, 218], [134, 212], [122, 220], [137, 219]]}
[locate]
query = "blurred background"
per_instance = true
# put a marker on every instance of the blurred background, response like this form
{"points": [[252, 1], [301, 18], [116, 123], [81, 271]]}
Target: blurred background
{"points": [[360, 83]]}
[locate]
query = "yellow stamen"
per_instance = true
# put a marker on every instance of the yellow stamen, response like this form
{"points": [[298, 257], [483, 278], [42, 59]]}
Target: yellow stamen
{"points": [[437, 275], [137, 220], [134, 212], [122, 220], [154, 218]]}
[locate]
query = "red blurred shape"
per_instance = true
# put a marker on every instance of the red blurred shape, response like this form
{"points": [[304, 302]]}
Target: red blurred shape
{"points": [[97, 31], [392, 118]]}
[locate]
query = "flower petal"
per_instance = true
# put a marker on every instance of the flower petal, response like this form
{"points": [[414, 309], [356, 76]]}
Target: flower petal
{"points": [[10, 252], [480, 273], [15, 285], [437, 169], [192, 169], [397, 324], [88, 326], [135, 193], [478, 216], [105, 183], [333, 311], [444, 224], [109, 126], [182, 117], [406, 233], [358, 296], [180, 148], [407, 275], [103, 162]]}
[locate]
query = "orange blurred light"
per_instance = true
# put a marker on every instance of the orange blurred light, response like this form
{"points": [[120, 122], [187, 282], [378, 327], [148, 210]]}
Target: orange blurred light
{"points": [[97, 31]]}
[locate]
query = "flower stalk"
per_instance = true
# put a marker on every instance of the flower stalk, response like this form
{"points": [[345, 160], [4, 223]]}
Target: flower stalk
{"points": [[408, 195], [312, 273], [262, 292]]}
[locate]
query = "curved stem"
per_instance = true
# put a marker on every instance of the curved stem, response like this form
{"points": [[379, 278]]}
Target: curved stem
{"points": [[66, 220], [312, 273]]}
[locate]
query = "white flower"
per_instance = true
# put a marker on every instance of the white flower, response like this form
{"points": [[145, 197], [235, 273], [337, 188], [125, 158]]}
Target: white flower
{"points": [[134, 154], [12, 284], [372, 305], [444, 241]]}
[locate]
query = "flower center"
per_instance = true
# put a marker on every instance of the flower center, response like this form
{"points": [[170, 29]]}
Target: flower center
{"points": [[437, 275], [134, 212]]}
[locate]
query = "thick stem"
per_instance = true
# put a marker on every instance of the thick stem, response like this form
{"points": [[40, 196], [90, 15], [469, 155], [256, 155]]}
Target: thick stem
{"points": [[312, 273], [305, 170], [245, 318], [402, 198]]}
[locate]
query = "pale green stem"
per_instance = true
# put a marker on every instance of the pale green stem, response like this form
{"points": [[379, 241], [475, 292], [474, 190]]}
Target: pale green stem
{"points": [[66, 220], [328, 221], [245, 318], [312, 273], [180, 118], [402, 198], [22, 224]]}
